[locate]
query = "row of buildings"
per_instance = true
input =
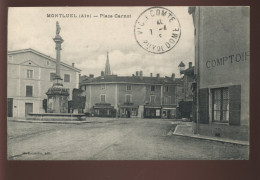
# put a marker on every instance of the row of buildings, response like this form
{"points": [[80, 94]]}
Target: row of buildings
{"points": [[31, 73], [132, 96]]}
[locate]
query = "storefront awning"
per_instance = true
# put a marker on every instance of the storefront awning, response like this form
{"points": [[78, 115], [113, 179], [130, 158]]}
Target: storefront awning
{"points": [[154, 107], [133, 106], [168, 108]]}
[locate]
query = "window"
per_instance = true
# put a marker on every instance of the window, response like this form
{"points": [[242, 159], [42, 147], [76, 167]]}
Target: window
{"points": [[48, 63], [167, 100], [128, 87], [29, 74], [134, 112], [103, 86], [128, 98], [66, 78], [166, 89], [220, 104], [152, 99], [52, 76], [152, 88], [29, 91], [103, 98]]}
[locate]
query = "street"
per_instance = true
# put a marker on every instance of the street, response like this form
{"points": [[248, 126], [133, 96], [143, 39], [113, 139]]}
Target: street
{"points": [[112, 139]]}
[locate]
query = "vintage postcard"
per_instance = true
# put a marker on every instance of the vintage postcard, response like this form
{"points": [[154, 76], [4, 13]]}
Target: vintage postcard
{"points": [[128, 83]]}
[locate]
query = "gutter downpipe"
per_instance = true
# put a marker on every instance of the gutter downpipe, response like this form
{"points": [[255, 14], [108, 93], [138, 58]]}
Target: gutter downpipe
{"points": [[198, 71]]}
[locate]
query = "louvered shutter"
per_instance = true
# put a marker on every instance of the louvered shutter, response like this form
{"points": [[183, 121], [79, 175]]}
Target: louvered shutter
{"points": [[204, 106], [234, 104]]}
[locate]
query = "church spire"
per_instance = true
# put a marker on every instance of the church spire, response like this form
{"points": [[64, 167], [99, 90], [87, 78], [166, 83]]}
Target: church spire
{"points": [[107, 67]]}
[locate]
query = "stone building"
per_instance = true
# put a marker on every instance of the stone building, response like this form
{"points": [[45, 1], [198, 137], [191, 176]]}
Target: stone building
{"points": [[222, 55], [187, 104], [30, 74], [132, 96]]}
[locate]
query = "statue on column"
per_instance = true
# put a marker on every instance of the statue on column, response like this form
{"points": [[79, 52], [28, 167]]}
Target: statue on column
{"points": [[57, 28]]}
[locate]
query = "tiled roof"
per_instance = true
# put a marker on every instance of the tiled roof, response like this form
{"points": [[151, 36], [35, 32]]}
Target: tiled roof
{"points": [[43, 55], [132, 79]]}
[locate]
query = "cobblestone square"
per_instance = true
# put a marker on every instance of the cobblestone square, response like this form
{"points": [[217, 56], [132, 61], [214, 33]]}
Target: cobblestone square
{"points": [[112, 139]]}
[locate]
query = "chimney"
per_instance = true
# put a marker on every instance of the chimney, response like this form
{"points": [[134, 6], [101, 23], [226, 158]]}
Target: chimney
{"points": [[173, 76], [151, 74], [102, 73], [158, 75], [190, 64], [73, 64], [141, 73], [137, 73], [91, 75]]}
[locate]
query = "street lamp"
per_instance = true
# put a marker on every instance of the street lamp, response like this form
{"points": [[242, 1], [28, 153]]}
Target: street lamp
{"points": [[181, 67]]}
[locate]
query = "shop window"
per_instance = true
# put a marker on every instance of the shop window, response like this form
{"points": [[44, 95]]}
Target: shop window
{"points": [[29, 74], [220, 104], [134, 112], [29, 91], [103, 98], [128, 87], [66, 78]]}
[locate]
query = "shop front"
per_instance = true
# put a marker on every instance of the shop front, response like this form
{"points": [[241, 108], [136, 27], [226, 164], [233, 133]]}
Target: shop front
{"points": [[168, 113], [128, 110], [104, 110], [152, 111]]}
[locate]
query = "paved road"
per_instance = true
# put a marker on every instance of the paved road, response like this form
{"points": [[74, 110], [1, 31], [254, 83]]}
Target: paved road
{"points": [[112, 139]]}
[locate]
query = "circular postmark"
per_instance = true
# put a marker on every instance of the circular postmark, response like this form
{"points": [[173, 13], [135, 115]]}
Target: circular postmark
{"points": [[157, 30]]}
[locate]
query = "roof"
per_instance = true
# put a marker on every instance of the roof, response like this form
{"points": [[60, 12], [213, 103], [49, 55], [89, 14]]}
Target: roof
{"points": [[189, 71], [181, 64], [42, 55], [132, 79]]}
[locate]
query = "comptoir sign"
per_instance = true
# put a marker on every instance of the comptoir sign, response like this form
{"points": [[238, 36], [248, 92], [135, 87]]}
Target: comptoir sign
{"points": [[233, 58]]}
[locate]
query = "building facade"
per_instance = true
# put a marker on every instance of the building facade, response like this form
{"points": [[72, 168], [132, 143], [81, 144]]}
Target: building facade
{"points": [[30, 75], [132, 96], [222, 55], [187, 104]]}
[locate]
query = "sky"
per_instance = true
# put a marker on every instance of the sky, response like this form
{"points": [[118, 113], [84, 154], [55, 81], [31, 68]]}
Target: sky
{"points": [[87, 40]]}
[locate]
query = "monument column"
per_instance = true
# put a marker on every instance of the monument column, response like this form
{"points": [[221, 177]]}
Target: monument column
{"points": [[57, 94], [58, 40]]}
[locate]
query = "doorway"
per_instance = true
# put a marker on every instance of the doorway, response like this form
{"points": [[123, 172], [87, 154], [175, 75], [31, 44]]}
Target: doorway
{"points": [[9, 107], [28, 108]]}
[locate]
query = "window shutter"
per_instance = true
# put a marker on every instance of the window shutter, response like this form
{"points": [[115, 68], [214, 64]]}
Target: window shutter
{"points": [[234, 104], [204, 106]]}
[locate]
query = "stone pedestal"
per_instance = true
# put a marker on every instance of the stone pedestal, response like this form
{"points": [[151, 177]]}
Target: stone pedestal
{"points": [[57, 99]]}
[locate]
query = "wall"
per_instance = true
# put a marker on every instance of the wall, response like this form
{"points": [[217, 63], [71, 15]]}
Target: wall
{"points": [[224, 51], [94, 91], [137, 92], [188, 80], [156, 93], [17, 80], [171, 92]]}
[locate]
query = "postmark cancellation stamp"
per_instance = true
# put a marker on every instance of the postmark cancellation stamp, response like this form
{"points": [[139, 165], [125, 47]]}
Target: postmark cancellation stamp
{"points": [[157, 30]]}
